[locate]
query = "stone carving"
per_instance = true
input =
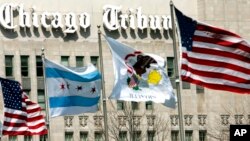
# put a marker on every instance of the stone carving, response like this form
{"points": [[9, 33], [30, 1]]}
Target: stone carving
{"points": [[68, 121], [238, 119], [98, 121], [224, 119], [202, 119], [174, 120], [83, 121], [188, 119], [150, 120], [122, 120]]}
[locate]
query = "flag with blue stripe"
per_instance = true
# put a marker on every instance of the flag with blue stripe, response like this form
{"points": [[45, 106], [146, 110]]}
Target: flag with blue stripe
{"points": [[72, 91]]}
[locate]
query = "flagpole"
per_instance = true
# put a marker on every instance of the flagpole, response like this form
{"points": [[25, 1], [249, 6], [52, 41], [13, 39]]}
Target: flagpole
{"points": [[46, 96], [177, 78], [103, 86]]}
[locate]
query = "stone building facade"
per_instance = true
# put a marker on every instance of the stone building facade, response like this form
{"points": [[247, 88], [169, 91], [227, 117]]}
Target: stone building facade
{"points": [[207, 113]]}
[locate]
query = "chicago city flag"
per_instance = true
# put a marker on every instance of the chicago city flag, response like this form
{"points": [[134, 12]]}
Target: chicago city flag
{"points": [[213, 57], [139, 76], [72, 91]]}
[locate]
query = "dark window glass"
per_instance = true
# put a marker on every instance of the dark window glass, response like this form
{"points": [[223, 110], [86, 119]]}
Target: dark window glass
{"points": [[65, 60], [120, 105], [149, 105], [79, 61], [39, 66], [25, 65], [170, 66], [9, 65]]}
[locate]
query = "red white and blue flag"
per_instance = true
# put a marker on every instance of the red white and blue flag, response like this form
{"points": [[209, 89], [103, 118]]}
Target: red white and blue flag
{"points": [[21, 116], [213, 57]]}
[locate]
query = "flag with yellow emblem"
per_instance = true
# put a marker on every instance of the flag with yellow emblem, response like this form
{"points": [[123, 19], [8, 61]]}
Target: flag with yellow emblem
{"points": [[139, 76]]}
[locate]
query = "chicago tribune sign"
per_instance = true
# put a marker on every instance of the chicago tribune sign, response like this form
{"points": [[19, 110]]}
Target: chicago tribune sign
{"points": [[113, 19]]}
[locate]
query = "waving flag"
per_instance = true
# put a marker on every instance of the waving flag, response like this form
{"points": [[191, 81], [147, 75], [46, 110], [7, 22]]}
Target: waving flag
{"points": [[21, 116], [213, 57], [139, 76], [72, 91]]}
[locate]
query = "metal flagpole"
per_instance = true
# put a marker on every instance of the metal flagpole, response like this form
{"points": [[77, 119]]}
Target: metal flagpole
{"points": [[103, 86], [46, 96], [177, 78]]}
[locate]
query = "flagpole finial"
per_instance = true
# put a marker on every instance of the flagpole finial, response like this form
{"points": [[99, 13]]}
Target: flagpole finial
{"points": [[171, 2], [99, 29], [42, 51]]}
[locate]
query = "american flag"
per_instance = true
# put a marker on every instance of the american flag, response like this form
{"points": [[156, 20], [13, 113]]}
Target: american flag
{"points": [[213, 57], [21, 116]]}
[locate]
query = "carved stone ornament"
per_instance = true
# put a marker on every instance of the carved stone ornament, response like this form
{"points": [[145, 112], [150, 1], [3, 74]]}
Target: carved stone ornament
{"points": [[224, 119], [188, 119], [136, 121], [238, 119], [68, 121], [150, 120], [174, 120], [98, 121], [202, 119], [83, 121], [122, 120]]}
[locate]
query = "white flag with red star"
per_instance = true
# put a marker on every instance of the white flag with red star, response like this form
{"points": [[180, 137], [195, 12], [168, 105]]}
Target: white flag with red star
{"points": [[72, 91]]}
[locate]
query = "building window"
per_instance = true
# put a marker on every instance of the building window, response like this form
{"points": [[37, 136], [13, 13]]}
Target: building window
{"points": [[202, 135], [199, 89], [65, 60], [135, 105], [170, 66], [151, 135], [12, 138], [95, 61], [174, 135], [185, 85], [98, 136], [79, 61], [149, 105], [122, 136], [83, 136], [41, 99], [27, 92], [68, 136], [8, 66], [39, 66], [137, 136], [120, 105], [43, 138], [188, 135], [27, 138], [25, 65]]}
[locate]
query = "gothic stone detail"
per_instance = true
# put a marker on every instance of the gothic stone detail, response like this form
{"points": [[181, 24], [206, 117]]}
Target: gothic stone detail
{"points": [[188, 119], [122, 120], [238, 119], [224, 119], [83, 121], [174, 120], [150, 120], [98, 121], [136, 121], [68, 121], [202, 119]]}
